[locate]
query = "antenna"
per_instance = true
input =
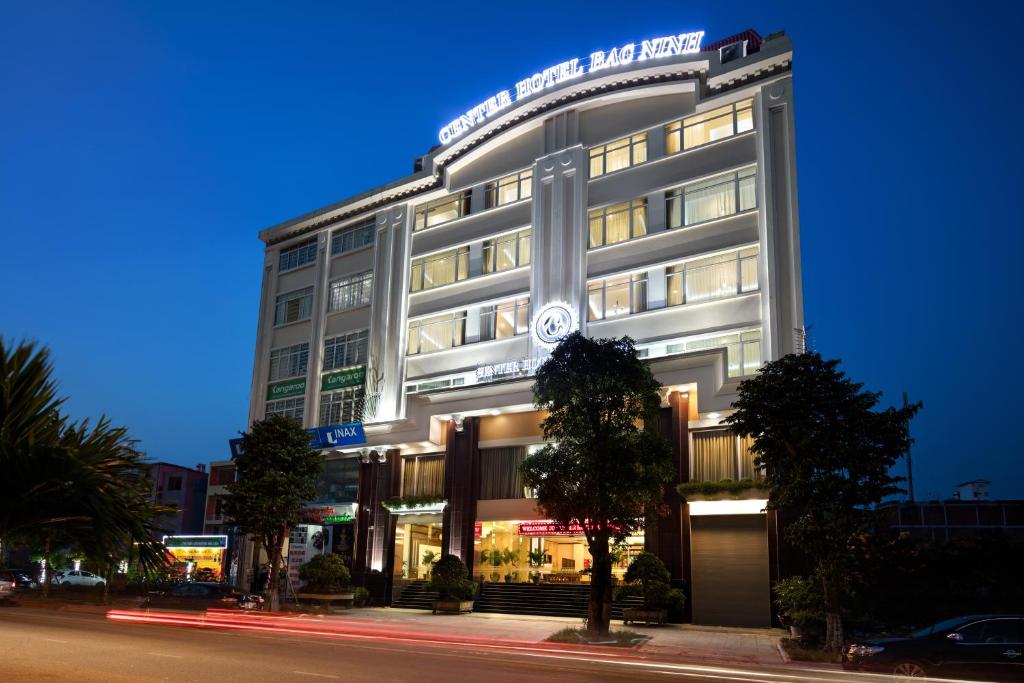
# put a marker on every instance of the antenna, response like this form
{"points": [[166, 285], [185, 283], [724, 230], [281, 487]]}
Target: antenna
{"points": [[910, 460]]}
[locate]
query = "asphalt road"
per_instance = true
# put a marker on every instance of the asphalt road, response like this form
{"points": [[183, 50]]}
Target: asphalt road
{"points": [[40, 645]]}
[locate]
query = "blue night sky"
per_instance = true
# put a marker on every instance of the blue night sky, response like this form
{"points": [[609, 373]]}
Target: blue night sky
{"points": [[144, 145]]}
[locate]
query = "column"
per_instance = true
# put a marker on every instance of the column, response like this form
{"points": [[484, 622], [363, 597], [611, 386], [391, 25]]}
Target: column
{"points": [[321, 299], [264, 332], [461, 489], [666, 537]]}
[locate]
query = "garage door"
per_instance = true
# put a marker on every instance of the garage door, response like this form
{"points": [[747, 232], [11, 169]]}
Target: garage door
{"points": [[729, 570]]}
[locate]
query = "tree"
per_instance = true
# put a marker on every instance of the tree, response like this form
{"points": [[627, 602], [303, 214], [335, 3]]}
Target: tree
{"points": [[277, 471], [827, 454], [607, 467]]}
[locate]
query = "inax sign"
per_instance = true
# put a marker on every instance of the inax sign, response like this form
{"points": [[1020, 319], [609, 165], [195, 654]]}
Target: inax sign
{"points": [[655, 48]]}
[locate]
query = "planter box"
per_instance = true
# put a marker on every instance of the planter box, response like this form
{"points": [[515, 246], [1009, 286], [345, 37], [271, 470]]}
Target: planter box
{"points": [[453, 606], [739, 494], [328, 598], [648, 616]]}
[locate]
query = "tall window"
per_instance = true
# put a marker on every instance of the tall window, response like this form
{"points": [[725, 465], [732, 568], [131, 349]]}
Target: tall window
{"points": [[507, 251], [719, 454], [505, 319], [339, 407], [437, 333], [500, 476], [423, 475], [509, 189], [354, 237], [615, 296], [351, 292], [296, 256], [290, 361], [294, 306], [713, 198], [618, 154], [439, 269], [618, 222], [346, 350], [287, 407], [743, 350], [717, 124], [442, 210], [713, 277]]}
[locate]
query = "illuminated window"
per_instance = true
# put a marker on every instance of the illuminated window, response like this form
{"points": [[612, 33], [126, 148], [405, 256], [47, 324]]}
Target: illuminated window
{"points": [[439, 269], [287, 407], [423, 475], [351, 292], [505, 320], [290, 361], [299, 255], [294, 306], [713, 277], [353, 237], [506, 252], [722, 195], [743, 350], [346, 350], [437, 333], [618, 222], [615, 296], [340, 407], [618, 154], [442, 210], [509, 189], [717, 124]]}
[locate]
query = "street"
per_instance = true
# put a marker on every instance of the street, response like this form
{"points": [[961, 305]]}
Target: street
{"points": [[40, 645]]}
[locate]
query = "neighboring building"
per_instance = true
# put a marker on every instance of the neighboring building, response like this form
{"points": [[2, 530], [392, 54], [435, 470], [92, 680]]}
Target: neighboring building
{"points": [[650, 192], [184, 489], [222, 473], [973, 490], [970, 512]]}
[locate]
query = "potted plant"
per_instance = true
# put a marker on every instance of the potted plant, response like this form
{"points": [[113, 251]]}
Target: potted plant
{"points": [[495, 559], [429, 558], [800, 605], [325, 578], [455, 591], [510, 557], [648, 577]]}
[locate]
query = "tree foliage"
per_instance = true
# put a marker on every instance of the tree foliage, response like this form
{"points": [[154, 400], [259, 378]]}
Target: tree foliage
{"points": [[449, 576], [649, 578], [607, 466], [325, 573]]}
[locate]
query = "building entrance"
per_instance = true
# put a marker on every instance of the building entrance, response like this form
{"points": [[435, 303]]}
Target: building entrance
{"points": [[417, 546]]}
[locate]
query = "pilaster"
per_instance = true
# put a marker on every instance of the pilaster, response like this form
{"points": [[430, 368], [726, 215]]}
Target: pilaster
{"points": [[388, 308]]}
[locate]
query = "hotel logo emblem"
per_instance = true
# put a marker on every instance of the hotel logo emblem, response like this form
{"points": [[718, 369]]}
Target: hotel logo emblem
{"points": [[552, 323]]}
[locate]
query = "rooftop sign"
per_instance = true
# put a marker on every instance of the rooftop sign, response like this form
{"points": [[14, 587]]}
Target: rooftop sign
{"points": [[655, 48]]}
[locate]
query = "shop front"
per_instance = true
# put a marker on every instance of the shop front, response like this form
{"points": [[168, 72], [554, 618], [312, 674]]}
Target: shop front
{"points": [[197, 558]]}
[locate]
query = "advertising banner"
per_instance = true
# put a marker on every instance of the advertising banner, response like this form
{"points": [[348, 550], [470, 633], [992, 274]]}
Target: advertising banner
{"points": [[352, 377], [287, 389]]}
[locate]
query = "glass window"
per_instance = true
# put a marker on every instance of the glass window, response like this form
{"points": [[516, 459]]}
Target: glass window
{"points": [[351, 292], [505, 320], [743, 350], [423, 476], [340, 407], [713, 277], [618, 154], [287, 407], [709, 126], [173, 484], [615, 296], [338, 481], [290, 361], [507, 251], [723, 195], [442, 210], [500, 476], [354, 237], [296, 256], [439, 269], [437, 333], [294, 306], [509, 189], [618, 222], [346, 350]]}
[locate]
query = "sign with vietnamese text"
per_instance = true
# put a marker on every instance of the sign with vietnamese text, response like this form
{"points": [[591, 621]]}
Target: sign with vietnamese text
{"points": [[523, 367], [196, 541]]}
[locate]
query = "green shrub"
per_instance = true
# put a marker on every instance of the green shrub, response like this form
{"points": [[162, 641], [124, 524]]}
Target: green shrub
{"points": [[325, 573], [449, 577], [648, 577], [800, 602], [361, 596]]}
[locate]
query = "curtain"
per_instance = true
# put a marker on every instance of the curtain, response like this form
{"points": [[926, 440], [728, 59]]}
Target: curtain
{"points": [[423, 476], [747, 469], [714, 455], [499, 472]]}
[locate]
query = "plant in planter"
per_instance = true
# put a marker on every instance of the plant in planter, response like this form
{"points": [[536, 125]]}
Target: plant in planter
{"points": [[648, 577], [429, 558], [801, 608], [455, 592], [325, 578], [361, 597], [510, 557], [494, 558]]}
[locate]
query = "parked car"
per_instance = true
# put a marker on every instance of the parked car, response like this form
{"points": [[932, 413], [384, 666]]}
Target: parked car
{"points": [[988, 647], [200, 595], [6, 589], [76, 578], [21, 579]]}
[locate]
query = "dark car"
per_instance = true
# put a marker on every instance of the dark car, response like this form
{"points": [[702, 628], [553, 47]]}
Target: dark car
{"points": [[988, 647], [20, 578], [201, 595]]}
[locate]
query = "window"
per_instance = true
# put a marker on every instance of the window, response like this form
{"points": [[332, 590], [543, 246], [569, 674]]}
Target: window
{"points": [[290, 361], [615, 296], [351, 292], [219, 476], [507, 251], [339, 407], [717, 124], [500, 476], [617, 155], [423, 476], [442, 210], [743, 350], [719, 454], [618, 222], [998, 631], [505, 320], [338, 481], [294, 306], [173, 483], [354, 237], [509, 189], [439, 269], [346, 350], [287, 407], [437, 333], [714, 198], [296, 256], [713, 277]]}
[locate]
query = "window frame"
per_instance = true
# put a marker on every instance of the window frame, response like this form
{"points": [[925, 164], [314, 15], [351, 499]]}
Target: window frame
{"points": [[294, 295], [460, 199], [460, 255], [489, 261], [307, 248], [519, 306], [737, 258], [632, 206], [360, 339], [679, 194], [361, 283], [288, 352], [633, 281], [600, 152], [677, 128], [297, 403], [520, 179], [365, 227], [415, 327], [352, 397]]}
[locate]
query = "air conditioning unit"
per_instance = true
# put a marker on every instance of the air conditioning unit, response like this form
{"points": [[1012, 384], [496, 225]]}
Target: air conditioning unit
{"points": [[728, 53]]}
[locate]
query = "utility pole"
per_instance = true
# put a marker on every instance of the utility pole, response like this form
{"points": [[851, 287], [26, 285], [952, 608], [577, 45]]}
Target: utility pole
{"points": [[910, 461]]}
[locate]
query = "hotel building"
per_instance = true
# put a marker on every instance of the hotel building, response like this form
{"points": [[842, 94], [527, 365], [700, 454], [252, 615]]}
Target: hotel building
{"points": [[649, 191]]}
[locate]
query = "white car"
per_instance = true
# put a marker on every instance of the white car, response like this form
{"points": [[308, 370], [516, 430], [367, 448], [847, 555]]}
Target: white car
{"points": [[77, 578]]}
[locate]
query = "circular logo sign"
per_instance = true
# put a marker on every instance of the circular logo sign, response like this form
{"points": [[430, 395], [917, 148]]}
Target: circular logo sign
{"points": [[552, 323]]}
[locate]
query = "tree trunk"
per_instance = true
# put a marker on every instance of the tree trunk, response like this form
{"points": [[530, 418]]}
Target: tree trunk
{"points": [[599, 608], [106, 583], [46, 567], [833, 617], [275, 569], [254, 580]]}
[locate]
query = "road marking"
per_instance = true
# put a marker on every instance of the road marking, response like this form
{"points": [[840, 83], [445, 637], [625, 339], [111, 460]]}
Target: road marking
{"points": [[164, 654], [54, 640], [310, 673]]}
